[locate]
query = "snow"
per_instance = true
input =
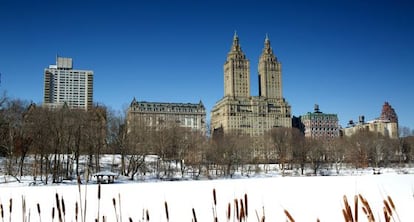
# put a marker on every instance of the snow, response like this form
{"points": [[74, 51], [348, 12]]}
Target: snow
{"points": [[306, 198]]}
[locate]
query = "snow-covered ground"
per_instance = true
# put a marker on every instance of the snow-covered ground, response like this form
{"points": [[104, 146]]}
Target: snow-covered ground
{"points": [[306, 198]]}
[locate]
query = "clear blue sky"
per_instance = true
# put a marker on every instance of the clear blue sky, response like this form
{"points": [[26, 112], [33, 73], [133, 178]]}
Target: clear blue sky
{"points": [[347, 56]]}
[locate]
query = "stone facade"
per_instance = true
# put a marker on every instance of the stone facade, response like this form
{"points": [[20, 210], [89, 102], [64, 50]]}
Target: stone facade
{"points": [[319, 125], [238, 110], [386, 124], [154, 114]]}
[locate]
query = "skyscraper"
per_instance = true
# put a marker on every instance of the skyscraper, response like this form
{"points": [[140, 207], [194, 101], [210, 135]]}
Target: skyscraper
{"points": [[238, 110], [67, 86]]}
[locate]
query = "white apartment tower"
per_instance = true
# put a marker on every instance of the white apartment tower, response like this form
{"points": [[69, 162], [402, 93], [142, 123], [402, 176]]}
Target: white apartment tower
{"points": [[67, 86]]}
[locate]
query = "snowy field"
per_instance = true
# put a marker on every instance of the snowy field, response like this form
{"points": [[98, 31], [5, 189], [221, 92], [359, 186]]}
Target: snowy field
{"points": [[306, 198]]}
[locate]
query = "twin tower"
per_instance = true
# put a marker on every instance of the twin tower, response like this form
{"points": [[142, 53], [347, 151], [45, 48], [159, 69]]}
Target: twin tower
{"points": [[238, 111]]}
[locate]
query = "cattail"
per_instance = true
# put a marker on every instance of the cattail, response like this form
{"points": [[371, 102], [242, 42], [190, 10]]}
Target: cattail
{"points": [[76, 211], [114, 204], [228, 211], [317, 220], [245, 204], [53, 213], [367, 209], [38, 211], [99, 191], [386, 215], [2, 211], [391, 202], [346, 216], [393, 207], [356, 208], [387, 207], [10, 208], [242, 215], [347, 208], [63, 209], [289, 216], [236, 209], [23, 209], [130, 219], [147, 215], [59, 210], [99, 199], [194, 216], [214, 197], [120, 208], [166, 210]]}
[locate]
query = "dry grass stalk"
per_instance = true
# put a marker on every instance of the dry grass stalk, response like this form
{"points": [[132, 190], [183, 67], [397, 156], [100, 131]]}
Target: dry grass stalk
{"points": [[194, 216], [289, 217]]}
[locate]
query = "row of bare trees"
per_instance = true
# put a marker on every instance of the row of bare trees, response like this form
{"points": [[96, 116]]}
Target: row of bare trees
{"points": [[53, 145], [54, 140]]}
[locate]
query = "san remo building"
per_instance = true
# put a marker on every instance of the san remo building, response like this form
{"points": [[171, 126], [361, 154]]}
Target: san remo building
{"points": [[238, 111]]}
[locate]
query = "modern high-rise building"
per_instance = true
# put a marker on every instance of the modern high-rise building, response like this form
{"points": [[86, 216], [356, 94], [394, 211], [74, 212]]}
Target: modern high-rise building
{"points": [[238, 110], [67, 86]]}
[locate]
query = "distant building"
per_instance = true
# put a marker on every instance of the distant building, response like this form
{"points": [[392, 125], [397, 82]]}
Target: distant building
{"points": [[238, 110], [319, 125], [154, 114], [386, 124], [65, 85]]}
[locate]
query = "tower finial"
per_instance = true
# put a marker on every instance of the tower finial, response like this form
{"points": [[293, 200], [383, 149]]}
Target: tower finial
{"points": [[235, 34], [267, 37]]}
